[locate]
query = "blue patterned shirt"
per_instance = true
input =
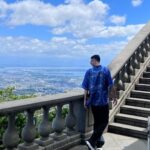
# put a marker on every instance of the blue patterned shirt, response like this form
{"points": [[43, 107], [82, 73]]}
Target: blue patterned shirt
{"points": [[97, 80]]}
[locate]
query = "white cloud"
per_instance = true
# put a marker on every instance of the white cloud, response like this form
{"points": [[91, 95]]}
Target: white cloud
{"points": [[118, 20], [99, 31], [136, 3], [74, 17], [3, 9], [27, 12], [73, 1], [82, 21], [120, 31], [57, 46]]}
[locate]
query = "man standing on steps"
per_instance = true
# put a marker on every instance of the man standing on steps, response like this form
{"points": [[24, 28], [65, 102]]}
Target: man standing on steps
{"points": [[98, 90]]}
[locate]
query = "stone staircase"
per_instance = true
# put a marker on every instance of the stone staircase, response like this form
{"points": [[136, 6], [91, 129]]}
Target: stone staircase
{"points": [[132, 118], [130, 71]]}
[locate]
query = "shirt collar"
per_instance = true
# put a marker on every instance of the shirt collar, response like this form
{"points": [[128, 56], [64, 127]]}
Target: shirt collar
{"points": [[97, 66]]}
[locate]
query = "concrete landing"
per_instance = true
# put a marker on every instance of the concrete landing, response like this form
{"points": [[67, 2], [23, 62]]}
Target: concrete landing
{"points": [[119, 142]]}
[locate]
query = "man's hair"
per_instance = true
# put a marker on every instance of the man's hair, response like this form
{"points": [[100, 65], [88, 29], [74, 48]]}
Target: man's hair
{"points": [[96, 57]]}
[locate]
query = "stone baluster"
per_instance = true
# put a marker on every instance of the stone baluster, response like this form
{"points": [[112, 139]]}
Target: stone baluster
{"points": [[144, 50], [131, 67], [140, 54], [70, 120], [118, 83], [125, 73], [116, 79], [45, 129], [128, 70], [136, 63], [11, 137], [29, 133], [148, 43], [58, 124]]}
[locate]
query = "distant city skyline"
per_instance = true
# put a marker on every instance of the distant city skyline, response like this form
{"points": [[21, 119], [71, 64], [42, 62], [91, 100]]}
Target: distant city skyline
{"points": [[67, 32]]}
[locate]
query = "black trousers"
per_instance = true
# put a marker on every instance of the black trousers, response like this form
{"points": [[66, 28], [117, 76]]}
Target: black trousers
{"points": [[101, 118]]}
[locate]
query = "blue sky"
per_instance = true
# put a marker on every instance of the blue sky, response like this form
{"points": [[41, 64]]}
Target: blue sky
{"points": [[67, 32]]}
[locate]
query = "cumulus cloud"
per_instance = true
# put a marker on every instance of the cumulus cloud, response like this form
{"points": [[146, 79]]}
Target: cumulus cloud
{"points": [[56, 46], [74, 16], [121, 31], [99, 31], [118, 20], [83, 21], [136, 3], [27, 12], [3, 9], [73, 1]]}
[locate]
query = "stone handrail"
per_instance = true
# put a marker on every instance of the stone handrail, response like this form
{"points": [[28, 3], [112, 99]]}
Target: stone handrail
{"points": [[138, 43], [124, 67], [37, 102], [62, 134]]}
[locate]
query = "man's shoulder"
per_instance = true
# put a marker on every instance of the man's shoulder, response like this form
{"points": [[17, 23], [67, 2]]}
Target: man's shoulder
{"points": [[89, 70], [105, 68]]}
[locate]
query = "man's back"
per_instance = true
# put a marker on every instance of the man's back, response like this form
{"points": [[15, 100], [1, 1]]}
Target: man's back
{"points": [[97, 80]]}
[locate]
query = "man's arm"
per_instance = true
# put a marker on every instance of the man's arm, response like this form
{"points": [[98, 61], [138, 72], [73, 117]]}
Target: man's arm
{"points": [[112, 94], [111, 88], [85, 86], [85, 97]]}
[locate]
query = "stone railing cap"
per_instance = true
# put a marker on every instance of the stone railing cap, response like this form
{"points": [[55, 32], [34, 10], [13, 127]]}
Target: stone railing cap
{"points": [[38, 102]]}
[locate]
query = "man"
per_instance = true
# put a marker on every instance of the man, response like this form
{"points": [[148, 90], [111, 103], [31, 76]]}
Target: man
{"points": [[99, 84]]}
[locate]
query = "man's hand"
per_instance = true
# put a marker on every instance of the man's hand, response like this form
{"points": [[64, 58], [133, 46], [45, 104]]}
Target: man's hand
{"points": [[115, 101], [112, 95], [85, 106], [85, 98]]}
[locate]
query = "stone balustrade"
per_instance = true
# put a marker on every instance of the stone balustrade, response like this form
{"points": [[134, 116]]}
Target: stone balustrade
{"points": [[52, 135]]}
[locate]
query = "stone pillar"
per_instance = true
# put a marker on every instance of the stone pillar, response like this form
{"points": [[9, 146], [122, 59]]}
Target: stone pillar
{"points": [[148, 43], [84, 119], [140, 54], [120, 84], [58, 124], [70, 120], [125, 73], [131, 68], [45, 129], [29, 133], [11, 137], [136, 62]]}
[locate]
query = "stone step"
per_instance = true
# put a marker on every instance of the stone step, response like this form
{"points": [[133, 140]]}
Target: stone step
{"points": [[138, 102], [140, 94], [144, 80], [148, 68], [142, 87], [133, 117], [128, 130], [131, 120], [146, 74], [134, 110]]}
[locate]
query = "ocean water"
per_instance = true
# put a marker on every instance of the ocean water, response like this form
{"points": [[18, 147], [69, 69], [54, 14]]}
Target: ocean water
{"points": [[41, 80]]}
